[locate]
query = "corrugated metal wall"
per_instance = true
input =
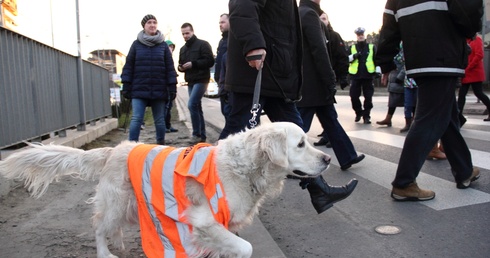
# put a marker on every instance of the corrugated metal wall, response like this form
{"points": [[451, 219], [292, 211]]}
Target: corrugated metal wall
{"points": [[39, 92]]}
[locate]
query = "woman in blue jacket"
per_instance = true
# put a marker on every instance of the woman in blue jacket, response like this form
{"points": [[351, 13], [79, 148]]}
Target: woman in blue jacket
{"points": [[149, 78]]}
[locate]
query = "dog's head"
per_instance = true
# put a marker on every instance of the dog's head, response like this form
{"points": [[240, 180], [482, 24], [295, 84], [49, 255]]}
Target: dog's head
{"points": [[286, 145]]}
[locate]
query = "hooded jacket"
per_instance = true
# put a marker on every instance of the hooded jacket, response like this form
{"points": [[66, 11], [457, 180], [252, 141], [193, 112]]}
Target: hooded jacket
{"points": [[272, 25]]}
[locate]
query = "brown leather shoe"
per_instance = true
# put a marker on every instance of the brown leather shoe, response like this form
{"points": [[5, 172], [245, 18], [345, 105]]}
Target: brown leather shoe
{"points": [[412, 193], [436, 153]]}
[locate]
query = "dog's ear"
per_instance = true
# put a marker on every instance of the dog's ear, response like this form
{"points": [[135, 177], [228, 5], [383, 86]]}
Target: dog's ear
{"points": [[274, 143]]}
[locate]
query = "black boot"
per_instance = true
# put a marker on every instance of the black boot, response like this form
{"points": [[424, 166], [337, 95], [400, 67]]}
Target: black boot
{"points": [[323, 195]]}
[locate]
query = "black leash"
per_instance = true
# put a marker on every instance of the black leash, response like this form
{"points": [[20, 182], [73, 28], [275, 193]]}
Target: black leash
{"points": [[255, 103]]}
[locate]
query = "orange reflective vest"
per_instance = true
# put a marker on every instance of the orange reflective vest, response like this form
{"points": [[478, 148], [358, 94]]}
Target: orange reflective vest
{"points": [[158, 175]]}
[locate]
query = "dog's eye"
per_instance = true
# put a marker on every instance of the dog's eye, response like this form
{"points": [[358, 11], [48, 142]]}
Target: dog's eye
{"points": [[301, 144]]}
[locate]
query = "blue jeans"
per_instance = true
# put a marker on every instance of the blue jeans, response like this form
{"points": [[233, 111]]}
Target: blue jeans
{"points": [[341, 144], [277, 109], [410, 101], [158, 110], [196, 92], [436, 117]]}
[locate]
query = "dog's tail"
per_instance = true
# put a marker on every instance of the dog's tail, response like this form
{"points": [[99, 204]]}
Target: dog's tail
{"points": [[39, 165]]}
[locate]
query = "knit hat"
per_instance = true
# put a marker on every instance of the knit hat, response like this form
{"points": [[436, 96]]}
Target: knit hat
{"points": [[146, 18]]}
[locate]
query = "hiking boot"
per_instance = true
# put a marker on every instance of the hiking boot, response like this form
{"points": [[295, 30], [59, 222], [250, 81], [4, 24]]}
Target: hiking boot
{"points": [[412, 193], [466, 183]]}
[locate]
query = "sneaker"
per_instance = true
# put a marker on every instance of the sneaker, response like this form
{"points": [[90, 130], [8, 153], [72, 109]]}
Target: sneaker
{"points": [[412, 193], [142, 127], [474, 176]]}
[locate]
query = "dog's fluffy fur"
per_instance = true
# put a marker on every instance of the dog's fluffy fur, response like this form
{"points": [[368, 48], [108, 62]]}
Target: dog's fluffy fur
{"points": [[252, 165]]}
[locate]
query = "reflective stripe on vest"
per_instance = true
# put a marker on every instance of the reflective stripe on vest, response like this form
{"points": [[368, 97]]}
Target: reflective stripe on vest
{"points": [[369, 60], [158, 175]]}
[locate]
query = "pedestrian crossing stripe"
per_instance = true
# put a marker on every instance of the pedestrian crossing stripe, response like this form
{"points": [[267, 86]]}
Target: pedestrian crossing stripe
{"points": [[479, 158], [383, 172]]}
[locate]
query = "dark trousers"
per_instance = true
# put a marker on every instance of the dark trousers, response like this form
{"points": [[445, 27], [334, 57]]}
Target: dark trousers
{"points": [[477, 90], [436, 117], [168, 114], [341, 143], [225, 105], [277, 109], [367, 88]]}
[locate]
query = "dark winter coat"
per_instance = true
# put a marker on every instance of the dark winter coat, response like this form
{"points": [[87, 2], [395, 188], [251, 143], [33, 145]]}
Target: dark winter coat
{"points": [[438, 49], [222, 48], [149, 72], [319, 78], [272, 25], [198, 52], [338, 53]]}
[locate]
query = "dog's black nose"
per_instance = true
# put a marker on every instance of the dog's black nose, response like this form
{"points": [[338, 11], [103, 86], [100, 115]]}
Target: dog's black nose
{"points": [[327, 159]]}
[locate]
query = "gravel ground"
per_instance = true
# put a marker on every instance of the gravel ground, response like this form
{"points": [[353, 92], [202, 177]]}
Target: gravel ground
{"points": [[58, 224]]}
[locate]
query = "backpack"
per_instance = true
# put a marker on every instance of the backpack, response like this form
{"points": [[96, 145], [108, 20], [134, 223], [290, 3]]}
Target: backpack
{"points": [[466, 16]]}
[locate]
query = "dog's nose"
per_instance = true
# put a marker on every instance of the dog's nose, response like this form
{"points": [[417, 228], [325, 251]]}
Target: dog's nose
{"points": [[327, 158]]}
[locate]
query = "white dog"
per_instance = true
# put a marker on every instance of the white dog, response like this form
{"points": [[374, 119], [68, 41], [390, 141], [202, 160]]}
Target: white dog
{"points": [[251, 166]]}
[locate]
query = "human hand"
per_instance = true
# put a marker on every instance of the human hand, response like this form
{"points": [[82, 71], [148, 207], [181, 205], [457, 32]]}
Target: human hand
{"points": [[185, 66], [253, 61]]}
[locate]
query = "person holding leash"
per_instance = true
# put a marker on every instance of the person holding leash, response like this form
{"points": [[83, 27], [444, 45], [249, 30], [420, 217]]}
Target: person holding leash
{"points": [[258, 41]]}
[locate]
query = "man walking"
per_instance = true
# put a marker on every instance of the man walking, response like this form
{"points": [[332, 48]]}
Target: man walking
{"points": [[436, 70], [195, 59], [275, 26]]}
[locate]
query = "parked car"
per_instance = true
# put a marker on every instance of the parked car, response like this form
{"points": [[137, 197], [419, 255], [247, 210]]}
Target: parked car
{"points": [[212, 91]]}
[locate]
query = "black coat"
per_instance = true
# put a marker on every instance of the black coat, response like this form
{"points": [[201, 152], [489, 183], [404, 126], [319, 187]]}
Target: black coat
{"points": [[338, 53], [222, 48], [198, 52], [432, 44], [319, 78], [272, 25]]}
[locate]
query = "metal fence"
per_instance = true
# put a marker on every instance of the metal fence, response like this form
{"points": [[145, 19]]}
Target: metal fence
{"points": [[40, 93]]}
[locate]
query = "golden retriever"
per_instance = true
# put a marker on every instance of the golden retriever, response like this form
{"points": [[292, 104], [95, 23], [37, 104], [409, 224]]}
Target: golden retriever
{"points": [[251, 165]]}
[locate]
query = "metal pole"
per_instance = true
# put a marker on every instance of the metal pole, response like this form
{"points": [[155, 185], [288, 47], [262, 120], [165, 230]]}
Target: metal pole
{"points": [[81, 93]]}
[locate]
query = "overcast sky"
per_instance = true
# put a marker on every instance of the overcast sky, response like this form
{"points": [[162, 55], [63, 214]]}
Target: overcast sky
{"points": [[114, 24]]}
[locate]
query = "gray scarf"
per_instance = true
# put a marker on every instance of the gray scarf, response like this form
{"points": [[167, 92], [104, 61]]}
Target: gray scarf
{"points": [[150, 40]]}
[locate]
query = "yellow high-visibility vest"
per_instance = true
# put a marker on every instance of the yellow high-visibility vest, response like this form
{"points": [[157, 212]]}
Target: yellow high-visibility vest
{"points": [[369, 61]]}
